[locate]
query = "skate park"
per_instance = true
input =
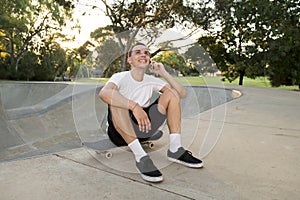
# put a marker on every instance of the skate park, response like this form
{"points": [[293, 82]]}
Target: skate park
{"points": [[248, 138]]}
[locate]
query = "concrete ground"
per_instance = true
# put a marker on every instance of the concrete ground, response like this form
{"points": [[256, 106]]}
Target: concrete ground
{"points": [[256, 157]]}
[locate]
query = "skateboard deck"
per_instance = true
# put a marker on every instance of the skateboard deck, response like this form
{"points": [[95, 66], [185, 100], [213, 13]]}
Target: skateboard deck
{"points": [[104, 146]]}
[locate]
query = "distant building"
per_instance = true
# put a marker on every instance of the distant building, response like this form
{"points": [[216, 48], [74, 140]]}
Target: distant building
{"points": [[97, 73], [217, 73]]}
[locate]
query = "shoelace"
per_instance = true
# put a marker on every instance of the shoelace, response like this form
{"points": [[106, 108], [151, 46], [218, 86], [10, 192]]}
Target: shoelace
{"points": [[186, 153]]}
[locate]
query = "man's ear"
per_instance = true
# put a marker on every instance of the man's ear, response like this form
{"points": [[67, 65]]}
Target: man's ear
{"points": [[129, 60]]}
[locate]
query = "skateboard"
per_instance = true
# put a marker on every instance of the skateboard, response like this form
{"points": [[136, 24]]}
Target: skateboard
{"points": [[104, 146]]}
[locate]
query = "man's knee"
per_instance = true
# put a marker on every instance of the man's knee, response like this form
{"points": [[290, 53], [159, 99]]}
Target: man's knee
{"points": [[117, 112], [122, 123], [120, 117], [171, 94]]}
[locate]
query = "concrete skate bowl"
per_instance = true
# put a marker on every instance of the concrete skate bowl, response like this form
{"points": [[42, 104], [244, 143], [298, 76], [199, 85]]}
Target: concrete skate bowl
{"points": [[44, 118]]}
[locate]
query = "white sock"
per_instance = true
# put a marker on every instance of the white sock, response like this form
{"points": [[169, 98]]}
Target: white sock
{"points": [[137, 149], [175, 142]]}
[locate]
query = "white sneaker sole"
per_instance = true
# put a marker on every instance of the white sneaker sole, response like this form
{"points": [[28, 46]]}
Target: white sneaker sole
{"points": [[199, 165], [152, 179]]}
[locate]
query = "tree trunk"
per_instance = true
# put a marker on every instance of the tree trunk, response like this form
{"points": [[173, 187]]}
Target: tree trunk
{"points": [[242, 74]]}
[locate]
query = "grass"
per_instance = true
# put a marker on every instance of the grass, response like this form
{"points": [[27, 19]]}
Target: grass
{"points": [[100, 80], [261, 82], [194, 80]]}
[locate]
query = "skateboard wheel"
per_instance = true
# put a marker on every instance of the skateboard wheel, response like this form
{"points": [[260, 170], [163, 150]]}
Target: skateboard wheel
{"points": [[151, 145], [108, 155]]}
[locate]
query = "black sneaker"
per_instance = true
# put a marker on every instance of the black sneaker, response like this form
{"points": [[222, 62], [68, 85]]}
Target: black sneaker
{"points": [[184, 157], [148, 170]]}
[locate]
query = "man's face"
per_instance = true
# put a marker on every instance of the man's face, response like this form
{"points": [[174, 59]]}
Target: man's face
{"points": [[140, 56]]}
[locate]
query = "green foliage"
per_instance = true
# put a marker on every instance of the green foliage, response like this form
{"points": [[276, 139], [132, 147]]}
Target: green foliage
{"points": [[102, 33], [26, 26], [106, 58], [54, 60], [45, 67], [73, 62], [143, 19], [283, 51], [201, 57], [28, 66], [262, 38], [126, 15], [173, 62]]}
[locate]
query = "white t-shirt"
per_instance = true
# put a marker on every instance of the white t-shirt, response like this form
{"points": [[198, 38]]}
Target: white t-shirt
{"points": [[139, 92]]}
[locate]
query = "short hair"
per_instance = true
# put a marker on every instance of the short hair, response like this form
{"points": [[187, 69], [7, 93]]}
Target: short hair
{"points": [[136, 44]]}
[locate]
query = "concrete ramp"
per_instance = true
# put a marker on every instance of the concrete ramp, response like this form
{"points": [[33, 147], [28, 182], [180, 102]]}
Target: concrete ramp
{"points": [[8, 137], [18, 95], [43, 118]]}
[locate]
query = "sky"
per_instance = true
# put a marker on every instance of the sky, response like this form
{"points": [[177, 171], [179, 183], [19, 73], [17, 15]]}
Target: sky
{"points": [[89, 20]]}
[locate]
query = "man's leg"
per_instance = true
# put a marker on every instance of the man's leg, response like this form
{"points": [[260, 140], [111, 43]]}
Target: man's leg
{"points": [[169, 103], [123, 124]]}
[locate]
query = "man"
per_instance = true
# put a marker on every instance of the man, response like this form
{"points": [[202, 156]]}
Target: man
{"points": [[132, 118]]}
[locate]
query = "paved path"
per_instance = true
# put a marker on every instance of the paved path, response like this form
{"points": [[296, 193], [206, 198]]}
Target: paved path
{"points": [[256, 157]]}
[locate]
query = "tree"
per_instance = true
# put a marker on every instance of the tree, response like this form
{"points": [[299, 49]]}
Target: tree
{"points": [[28, 66], [173, 61], [260, 35], [106, 58], [238, 20], [284, 46], [53, 62], [73, 62], [25, 24], [220, 58], [143, 19]]}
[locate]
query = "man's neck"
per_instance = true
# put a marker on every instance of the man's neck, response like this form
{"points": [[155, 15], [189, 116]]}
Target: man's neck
{"points": [[137, 74]]}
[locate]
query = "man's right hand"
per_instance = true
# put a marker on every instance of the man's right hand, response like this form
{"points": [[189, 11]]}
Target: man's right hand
{"points": [[142, 118]]}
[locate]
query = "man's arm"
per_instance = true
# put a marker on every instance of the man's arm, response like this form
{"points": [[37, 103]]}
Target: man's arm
{"points": [[110, 95], [159, 69], [176, 85]]}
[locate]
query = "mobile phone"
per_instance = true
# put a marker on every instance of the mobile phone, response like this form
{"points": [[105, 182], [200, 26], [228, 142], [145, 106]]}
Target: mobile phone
{"points": [[151, 65]]}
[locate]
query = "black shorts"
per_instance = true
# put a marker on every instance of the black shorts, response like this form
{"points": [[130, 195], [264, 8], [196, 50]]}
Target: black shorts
{"points": [[157, 119]]}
